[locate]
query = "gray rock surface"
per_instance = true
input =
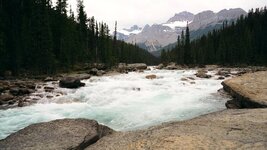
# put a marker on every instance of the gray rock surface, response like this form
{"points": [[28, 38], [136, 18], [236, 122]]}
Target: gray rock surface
{"points": [[56, 135], [229, 129]]}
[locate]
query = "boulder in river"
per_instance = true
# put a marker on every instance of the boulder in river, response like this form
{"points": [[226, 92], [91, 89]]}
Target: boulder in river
{"points": [[49, 79], [16, 91], [136, 66], [5, 98], [59, 134], [81, 76], [202, 74], [71, 83], [93, 71], [171, 66], [48, 88], [152, 76], [224, 72], [121, 67], [160, 66]]}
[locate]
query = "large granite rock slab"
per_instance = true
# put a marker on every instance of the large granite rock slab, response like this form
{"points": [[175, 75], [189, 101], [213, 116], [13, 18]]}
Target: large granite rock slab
{"points": [[56, 135], [229, 129], [248, 90]]}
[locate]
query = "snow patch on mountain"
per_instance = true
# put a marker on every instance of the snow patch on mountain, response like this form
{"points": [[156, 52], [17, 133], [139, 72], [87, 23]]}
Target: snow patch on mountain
{"points": [[177, 24], [125, 32], [133, 30]]}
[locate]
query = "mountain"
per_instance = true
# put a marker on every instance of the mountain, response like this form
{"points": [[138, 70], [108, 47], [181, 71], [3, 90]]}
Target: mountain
{"points": [[124, 34], [157, 36]]}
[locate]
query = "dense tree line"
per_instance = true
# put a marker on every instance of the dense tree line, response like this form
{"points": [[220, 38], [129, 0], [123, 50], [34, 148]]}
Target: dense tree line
{"points": [[40, 38], [238, 43]]}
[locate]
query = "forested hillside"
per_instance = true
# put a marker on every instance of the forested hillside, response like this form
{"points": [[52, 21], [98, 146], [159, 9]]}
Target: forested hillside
{"points": [[241, 43], [39, 38]]}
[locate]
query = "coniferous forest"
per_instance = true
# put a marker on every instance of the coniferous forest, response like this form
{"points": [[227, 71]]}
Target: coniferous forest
{"points": [[41, 39], [243, 42]]}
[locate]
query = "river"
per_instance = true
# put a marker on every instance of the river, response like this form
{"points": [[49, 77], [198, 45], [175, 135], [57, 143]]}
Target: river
{"points": [[124, 102]]}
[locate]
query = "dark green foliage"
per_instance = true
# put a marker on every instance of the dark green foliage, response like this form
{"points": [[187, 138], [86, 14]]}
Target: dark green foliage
{"points": [[40, 39], [241, 42]]}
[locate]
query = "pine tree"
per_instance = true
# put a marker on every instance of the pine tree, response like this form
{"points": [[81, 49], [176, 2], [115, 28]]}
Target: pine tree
{"points": [[42, 39], [2, 40], [61, 6], [115, 32], [82, 21], [187, 49]]}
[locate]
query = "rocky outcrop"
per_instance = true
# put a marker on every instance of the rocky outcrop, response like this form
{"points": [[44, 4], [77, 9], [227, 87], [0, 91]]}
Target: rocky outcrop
{"points": [[124, 68], [249, 90], [137, 66], [71, 83], [229, 129], [170, 66], [12, 92], [63, 134]]}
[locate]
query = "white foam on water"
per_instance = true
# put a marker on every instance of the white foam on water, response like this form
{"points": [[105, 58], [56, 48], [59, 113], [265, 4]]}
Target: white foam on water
{"points": [[124, 102]]}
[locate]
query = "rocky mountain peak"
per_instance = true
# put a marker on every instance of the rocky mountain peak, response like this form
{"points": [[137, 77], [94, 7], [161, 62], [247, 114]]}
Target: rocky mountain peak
{"points": [[182, 16], [231, 13], [204, 15], [156, 36], [133, 28]]}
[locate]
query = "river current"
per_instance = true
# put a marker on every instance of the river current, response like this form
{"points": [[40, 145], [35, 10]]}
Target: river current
{"points": [[124, 102]]}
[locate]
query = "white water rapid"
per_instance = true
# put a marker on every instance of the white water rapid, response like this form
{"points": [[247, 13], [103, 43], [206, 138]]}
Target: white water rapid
{"points": [[124, 102]]}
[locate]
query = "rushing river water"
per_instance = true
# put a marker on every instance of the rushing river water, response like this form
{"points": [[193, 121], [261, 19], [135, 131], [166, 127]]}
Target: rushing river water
{"points": [[124, 102]]}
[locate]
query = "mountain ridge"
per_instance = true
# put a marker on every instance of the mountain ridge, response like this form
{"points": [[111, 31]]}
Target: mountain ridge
{"points": [[163, 34]]}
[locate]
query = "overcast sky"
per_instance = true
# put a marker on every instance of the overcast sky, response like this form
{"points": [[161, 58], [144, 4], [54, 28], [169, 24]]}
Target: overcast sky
{"points": [[141, 12]]}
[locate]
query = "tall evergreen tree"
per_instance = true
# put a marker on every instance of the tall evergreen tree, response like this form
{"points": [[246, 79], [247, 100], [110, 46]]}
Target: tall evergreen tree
{"points": [[82, 21], [187, 49], [61, 6], [42, 39]]}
